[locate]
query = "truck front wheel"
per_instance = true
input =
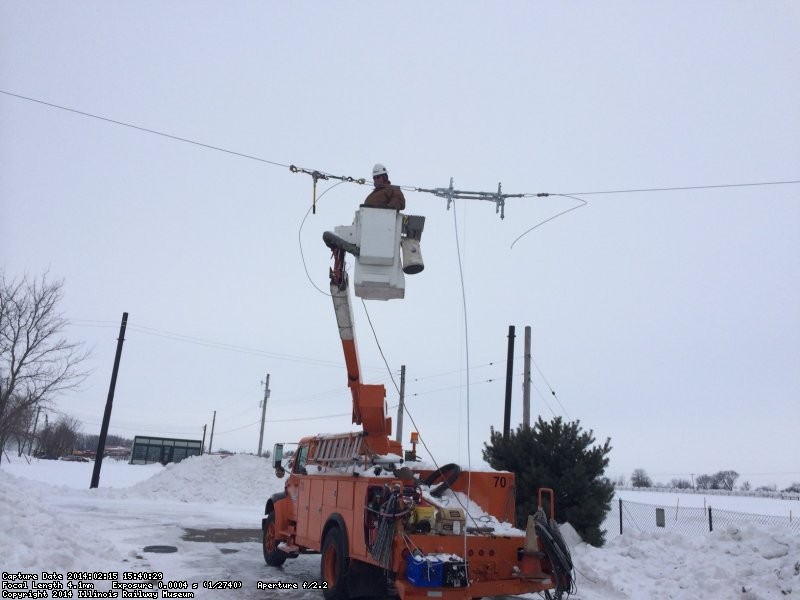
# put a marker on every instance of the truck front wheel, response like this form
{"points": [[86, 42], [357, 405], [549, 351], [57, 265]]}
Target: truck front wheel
{"points": [[334, 566], [272, 556]]}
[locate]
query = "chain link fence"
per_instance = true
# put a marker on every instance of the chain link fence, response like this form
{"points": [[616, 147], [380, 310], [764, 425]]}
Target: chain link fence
{"points": [[636, 516]]}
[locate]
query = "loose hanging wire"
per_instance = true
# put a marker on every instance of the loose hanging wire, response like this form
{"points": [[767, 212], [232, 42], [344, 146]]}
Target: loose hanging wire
{"points": [[466, 357], [563, 212], [300, 231]]}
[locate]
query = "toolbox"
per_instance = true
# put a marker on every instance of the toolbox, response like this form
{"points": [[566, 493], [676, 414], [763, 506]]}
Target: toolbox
{"points": [[454, 573]]}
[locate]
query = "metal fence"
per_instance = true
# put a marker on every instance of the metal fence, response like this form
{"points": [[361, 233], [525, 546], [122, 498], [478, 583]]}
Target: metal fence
{"points": [[635, 516]]}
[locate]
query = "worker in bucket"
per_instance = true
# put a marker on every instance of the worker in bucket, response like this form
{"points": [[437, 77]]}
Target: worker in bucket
{"points": [[385, 194]]}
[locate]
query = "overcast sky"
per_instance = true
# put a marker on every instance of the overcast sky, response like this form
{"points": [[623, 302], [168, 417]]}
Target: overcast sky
{"points": [[667, 321]]}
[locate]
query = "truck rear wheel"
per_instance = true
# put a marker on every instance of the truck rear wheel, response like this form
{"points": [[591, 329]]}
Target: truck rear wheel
{"points": [[334, 566], [272, 556]]}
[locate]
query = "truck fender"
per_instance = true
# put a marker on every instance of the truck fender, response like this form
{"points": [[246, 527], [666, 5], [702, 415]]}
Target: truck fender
{"points": [[336, 520], [271, 506], [362, 579]]}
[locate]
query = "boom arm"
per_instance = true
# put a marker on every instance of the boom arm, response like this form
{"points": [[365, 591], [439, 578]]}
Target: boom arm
{"points": [[369, 401]]}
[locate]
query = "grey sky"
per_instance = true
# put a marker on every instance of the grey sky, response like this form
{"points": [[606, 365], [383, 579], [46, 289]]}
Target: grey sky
{"points": [[668, 321]]}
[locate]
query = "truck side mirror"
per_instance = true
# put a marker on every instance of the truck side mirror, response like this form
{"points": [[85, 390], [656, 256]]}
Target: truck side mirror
{"points": [[277, 456]]}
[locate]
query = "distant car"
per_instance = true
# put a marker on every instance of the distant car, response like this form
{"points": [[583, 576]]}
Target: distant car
{"points": [[75, 458]]}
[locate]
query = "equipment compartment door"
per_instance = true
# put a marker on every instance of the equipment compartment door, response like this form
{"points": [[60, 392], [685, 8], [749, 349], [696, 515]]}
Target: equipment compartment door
{"points": [[315, 510], [303, 507]]}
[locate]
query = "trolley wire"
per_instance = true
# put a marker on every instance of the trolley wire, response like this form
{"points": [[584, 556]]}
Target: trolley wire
{"points": [[145, 129], [450, 193], [319, 174], [682, 188]]}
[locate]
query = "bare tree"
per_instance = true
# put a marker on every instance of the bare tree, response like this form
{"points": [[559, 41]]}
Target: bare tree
{"points": [[58, 439], [705, 482], [36, 361], [640, 478], [681, 484], [24, 430], [726, 480]]}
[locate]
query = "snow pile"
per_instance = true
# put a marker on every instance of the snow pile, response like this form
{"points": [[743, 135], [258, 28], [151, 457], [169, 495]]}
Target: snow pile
{"points": [[237, 479], [750, 563], [51, 521], [78, 475], [38, 537], [571, 537]]}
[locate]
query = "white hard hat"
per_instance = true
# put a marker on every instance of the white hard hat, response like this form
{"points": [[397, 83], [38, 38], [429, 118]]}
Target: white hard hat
{"points": [[378, 169]]}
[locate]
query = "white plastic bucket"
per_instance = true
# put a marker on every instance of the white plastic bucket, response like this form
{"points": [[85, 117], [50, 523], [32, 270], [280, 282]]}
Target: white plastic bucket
{"points": [[412, 256]]}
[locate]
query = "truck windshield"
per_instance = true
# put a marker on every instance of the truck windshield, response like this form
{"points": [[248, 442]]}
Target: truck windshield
{"points": [[300, 459]]}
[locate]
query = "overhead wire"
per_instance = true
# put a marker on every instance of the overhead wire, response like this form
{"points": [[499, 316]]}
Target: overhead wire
{"points": [[317, 174], [453, 387], [451, 372], [550, 387], [146, 130], [324, 174], [226, 346], [181, 337], [682, 188], [546, 403], [330, 393], [346, 414]]}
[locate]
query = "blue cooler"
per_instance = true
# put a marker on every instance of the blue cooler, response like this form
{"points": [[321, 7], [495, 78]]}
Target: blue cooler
{"points": [[424, 572]]}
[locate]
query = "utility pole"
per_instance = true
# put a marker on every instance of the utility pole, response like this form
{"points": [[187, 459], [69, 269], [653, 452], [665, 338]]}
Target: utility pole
{"points": [[101, 443], [211, 439], [401, 406], [203, 444], [526, 384], [263, 413], [509, 377]]}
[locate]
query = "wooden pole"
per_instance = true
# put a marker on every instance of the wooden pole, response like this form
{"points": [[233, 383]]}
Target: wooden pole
{"points": [[101, 442], [401, 407], [509, 377], [526, 384]]}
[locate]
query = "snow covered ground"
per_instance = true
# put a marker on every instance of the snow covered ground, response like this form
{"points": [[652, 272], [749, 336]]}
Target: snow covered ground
{"points": [[50, 522]]}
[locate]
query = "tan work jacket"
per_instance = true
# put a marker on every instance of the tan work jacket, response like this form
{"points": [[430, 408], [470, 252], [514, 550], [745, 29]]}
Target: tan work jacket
{"points": [[386, 195]]}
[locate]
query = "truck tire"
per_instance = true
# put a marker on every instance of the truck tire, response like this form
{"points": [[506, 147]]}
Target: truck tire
{"points": [[272, 556], [334, 566]]}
